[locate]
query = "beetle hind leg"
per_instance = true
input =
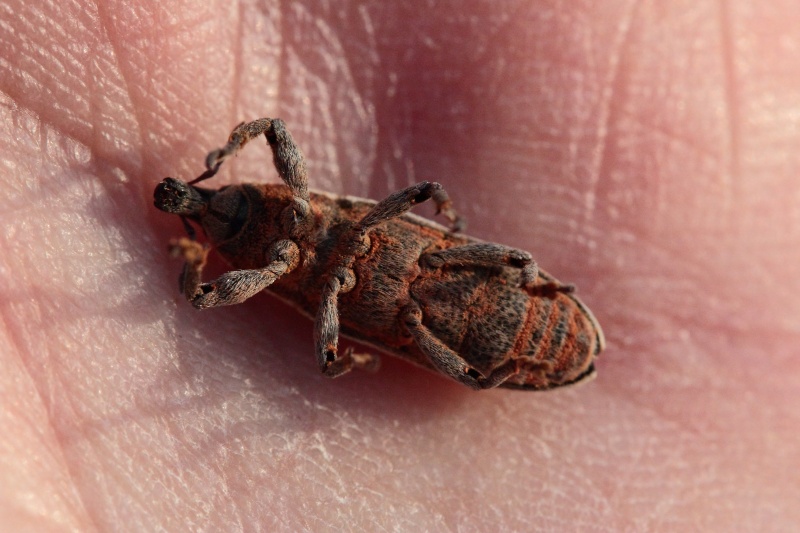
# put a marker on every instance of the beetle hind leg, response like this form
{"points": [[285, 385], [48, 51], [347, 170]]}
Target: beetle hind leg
{"points": [[443, 358], [497, 255], [549, 289], [448, 361]]}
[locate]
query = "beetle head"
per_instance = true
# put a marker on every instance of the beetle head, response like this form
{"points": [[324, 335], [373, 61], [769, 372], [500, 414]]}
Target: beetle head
{"points": [[179, 198], [221, 213]]}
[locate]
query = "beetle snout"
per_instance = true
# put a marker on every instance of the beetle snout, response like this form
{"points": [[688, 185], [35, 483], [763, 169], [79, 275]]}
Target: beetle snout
{"points": [[179, 198]]}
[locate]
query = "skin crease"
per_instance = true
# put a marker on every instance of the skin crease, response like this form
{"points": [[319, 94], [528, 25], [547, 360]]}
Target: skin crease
{"points": [[645, 152]]}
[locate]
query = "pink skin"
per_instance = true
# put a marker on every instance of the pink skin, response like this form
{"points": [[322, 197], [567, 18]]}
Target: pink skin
{"points": [[647, 153]]}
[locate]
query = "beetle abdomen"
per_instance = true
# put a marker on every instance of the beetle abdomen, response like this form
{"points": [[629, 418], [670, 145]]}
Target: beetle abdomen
{"points": [[477, 312], [561, 342], [482, 314]]}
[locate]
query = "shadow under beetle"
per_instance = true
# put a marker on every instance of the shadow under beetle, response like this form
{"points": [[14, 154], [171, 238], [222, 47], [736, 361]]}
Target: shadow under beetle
{"points": [[480, 313]]}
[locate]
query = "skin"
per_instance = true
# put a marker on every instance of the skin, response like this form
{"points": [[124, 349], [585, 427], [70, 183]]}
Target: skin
{"points": [[645, 152]]}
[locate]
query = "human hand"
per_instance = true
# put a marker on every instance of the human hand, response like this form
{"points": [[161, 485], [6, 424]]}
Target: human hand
{"points": [[646, 153]]}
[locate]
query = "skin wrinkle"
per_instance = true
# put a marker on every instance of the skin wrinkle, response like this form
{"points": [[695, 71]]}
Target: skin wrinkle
{"points": [[47, 452], [238, 61], [113, 41], [332, 60], [45, 399], [732, 102], [608, 110]]}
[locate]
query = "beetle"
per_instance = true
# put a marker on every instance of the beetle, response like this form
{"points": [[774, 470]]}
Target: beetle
{"points": [[481, 313]]}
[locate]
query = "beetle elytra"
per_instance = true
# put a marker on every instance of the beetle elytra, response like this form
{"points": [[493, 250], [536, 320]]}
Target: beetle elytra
{"points": [[481, 313]]}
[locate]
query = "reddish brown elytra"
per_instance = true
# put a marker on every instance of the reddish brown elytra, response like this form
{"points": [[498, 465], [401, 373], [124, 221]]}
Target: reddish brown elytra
{"points": [[480, 313]]}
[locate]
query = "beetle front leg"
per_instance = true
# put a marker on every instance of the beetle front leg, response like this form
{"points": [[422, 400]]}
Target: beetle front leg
{"points": [[235, 286], [326, 331], [287, 156], [288, 160], [483, 254]]}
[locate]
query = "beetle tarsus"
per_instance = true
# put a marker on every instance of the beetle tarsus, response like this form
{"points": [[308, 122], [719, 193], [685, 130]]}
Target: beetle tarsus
{"points": [[549, 289], [444, 207]]}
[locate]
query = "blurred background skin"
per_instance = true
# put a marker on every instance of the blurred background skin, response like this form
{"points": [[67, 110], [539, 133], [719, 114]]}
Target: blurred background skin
{"points": [[646, 151]]}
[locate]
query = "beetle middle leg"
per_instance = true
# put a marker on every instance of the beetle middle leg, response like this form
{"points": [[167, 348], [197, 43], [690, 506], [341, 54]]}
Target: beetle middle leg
{"points": [[235, 286], [491, 254], [326, 330]]}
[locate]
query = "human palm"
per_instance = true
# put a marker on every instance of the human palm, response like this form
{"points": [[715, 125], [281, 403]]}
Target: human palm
{"points": [[646, 153]]}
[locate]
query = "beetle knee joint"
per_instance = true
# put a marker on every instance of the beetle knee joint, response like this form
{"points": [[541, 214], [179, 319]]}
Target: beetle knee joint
{"points": [[431, 260], [296, 216], [519, 258], [412, 316], [284, 250], [346, 279], [474, 374], [426, 191]]}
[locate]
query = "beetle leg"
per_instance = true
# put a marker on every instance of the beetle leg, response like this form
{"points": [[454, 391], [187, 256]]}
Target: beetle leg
{"points": [[235, 286], [326, 331], [326, 326], [500, 374], [399, 203], [549, 289], [442, 357], [448, 361], [483, 254], [363, 361], [241, 135], [288, 158], [490, 254]]}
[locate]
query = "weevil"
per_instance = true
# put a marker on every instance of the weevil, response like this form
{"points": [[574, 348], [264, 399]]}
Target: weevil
{"points": [[481, 313]]}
